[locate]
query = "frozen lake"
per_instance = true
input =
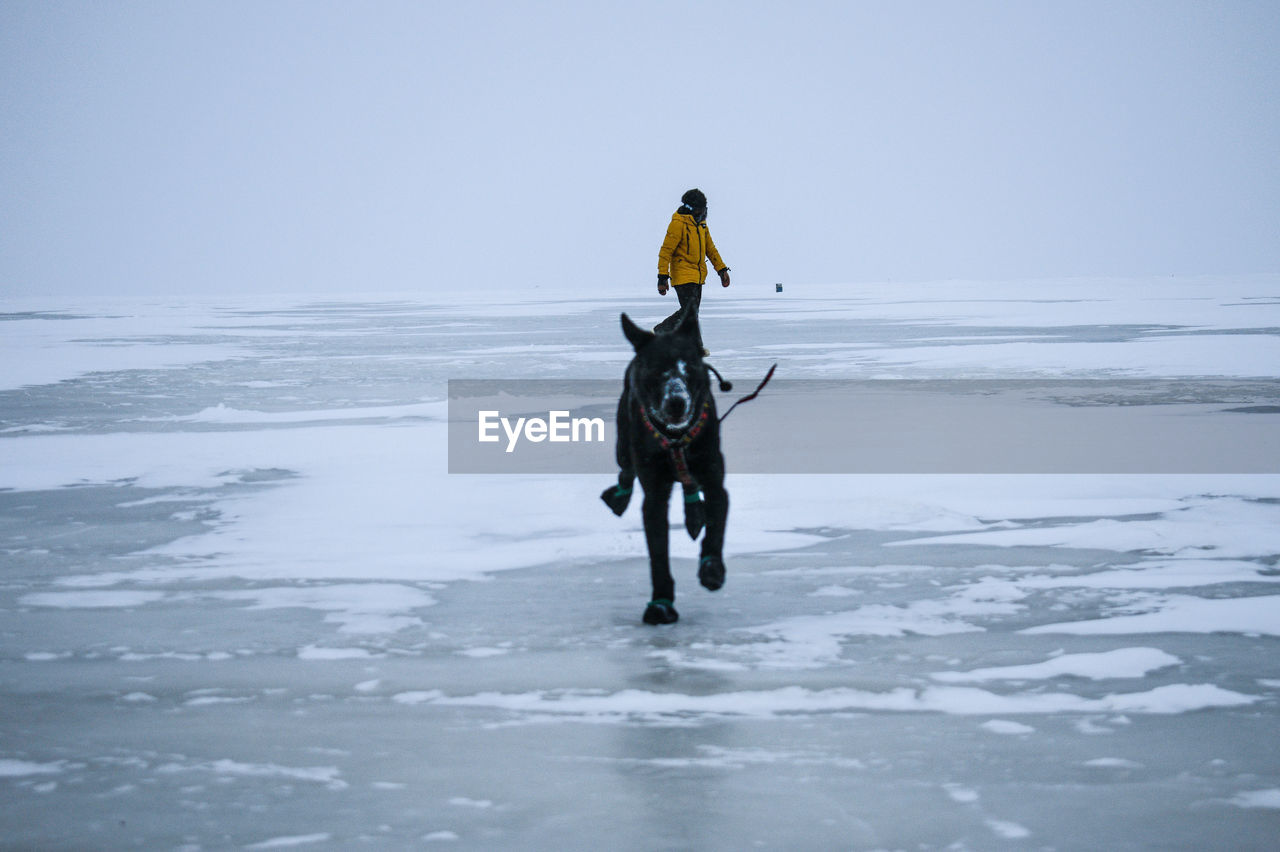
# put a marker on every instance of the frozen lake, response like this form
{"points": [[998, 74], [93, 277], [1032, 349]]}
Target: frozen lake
{"points": [[245, 603]]}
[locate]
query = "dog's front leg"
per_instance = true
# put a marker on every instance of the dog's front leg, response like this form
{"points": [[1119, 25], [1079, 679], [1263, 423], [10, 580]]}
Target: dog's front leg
{"points": [[617, 497]]}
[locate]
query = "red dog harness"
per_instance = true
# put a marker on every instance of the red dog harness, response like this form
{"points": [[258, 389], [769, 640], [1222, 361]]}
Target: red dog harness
{"points": [[676, 447]]}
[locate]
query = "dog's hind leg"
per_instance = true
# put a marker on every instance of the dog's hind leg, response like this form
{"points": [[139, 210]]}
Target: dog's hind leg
{"points": [[660, 611], [657, 495], [711, 566]]}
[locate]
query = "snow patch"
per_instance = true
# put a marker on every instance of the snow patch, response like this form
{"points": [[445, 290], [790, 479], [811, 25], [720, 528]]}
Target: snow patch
{"points": [[329, 776], [655, 707], [1004, 726], [1120, 663], [961, 795], [1007, 830], [464, 802], [358, 608], [11, 768], [223, 414], [483, 653], [1112, 763], [313, 652], [1258, 799], [289, 842]]}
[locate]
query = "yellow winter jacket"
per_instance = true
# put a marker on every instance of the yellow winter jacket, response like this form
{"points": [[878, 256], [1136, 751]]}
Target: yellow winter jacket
{"points": [[686, 249]]}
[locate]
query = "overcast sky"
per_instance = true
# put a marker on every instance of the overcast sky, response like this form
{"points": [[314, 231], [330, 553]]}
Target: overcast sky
{"points": [[188, 147]]}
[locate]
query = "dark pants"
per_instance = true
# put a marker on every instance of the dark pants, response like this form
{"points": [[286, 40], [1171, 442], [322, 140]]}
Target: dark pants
{"points": [[690, 296]]}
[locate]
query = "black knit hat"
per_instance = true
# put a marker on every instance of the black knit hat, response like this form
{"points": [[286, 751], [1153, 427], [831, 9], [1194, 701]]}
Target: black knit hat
{"points": [[694, 198]]}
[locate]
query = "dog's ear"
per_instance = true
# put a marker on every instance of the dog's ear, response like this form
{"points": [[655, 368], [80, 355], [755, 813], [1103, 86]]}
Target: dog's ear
{"points": [[638, 336], [688, 325]]}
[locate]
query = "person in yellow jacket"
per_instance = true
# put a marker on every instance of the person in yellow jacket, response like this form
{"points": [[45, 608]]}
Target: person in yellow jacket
{"points": [[682, 260]]}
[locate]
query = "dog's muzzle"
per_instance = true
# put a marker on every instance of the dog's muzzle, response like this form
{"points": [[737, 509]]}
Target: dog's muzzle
{"points": [[675, 407]]}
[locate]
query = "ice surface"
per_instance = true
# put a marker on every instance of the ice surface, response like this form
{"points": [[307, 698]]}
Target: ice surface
{"points": [[246, 606], [1184, 614]]}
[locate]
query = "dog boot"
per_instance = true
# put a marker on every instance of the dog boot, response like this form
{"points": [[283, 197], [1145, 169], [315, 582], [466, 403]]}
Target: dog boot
{"points": [[695, 514], [711, 572], [617, 497], [660, 611]]}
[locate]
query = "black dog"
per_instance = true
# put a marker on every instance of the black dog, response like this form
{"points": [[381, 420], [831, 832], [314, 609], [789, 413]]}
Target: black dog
{"points": [[668, 431]]}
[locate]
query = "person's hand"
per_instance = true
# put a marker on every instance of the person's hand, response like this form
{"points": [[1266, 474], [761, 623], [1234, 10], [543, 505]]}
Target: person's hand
{"points": [[663, 284], [724, 277]]}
